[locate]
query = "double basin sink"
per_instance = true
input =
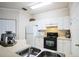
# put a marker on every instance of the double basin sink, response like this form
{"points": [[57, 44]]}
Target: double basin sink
{"points": [[35, 52]]}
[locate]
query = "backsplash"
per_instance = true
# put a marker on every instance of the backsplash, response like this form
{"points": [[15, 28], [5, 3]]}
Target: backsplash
{"points": [[64, 33], [61, 33]]}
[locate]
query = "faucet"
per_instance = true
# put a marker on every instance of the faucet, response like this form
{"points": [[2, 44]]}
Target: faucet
{"points": [[29, 52]]}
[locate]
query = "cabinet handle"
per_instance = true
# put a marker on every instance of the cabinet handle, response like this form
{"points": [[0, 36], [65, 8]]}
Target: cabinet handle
{"points": [[77, 45]]}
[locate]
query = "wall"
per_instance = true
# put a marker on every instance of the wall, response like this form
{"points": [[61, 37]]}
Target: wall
{"points": [[21, 18]]}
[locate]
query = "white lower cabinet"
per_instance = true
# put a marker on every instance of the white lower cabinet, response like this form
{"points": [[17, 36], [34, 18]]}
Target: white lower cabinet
{"points": [[30, 39], [59, 46], [39, 42], [64, 46]]}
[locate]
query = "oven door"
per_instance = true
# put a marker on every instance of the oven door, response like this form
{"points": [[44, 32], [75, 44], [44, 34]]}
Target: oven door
{"points": [[50, 44]]}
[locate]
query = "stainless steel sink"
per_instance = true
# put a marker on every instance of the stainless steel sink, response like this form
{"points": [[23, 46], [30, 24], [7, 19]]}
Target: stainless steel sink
{"points": [[50, 54], [29, 52], [35, 52]]}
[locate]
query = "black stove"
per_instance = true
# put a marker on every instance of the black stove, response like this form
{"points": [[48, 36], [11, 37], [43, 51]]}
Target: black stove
{"points": [[50, 42]]}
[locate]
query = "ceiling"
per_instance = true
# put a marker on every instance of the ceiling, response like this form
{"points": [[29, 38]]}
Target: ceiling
{"points": [[20, 5]]}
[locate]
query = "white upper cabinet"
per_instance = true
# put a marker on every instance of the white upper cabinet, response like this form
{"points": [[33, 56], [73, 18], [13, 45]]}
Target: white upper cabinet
{"points": [[42, 23], [64, 23], [61, 22]]}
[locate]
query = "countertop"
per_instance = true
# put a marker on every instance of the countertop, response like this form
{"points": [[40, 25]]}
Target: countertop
{"points": [[11, 51], [4, 52], [63, 38]]}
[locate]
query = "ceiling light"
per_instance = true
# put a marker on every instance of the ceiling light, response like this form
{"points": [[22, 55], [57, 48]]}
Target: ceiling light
{"points": [[40, 5]]}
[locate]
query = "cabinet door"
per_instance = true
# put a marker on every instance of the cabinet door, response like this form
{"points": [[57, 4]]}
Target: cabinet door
{"points": [[29, 38], [66, 47], [64, 23], [63, 46], [39, 42], [59, 45], [60, 24]]}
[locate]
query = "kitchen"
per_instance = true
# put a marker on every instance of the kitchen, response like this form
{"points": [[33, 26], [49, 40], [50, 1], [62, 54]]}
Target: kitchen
{"points": [[32, 27]]}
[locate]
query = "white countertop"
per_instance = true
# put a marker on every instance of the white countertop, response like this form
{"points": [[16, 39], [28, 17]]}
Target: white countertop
{"points": [[11, 51], [4, 52], [63, 38]]}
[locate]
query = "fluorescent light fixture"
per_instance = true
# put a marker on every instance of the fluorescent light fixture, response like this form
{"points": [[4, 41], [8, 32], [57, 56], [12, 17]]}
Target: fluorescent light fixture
{"points": [[40, 5]]}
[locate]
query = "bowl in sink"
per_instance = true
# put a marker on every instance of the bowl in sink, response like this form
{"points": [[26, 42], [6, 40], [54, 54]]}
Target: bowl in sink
{"points": [[50, 54], [29, 52]]}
